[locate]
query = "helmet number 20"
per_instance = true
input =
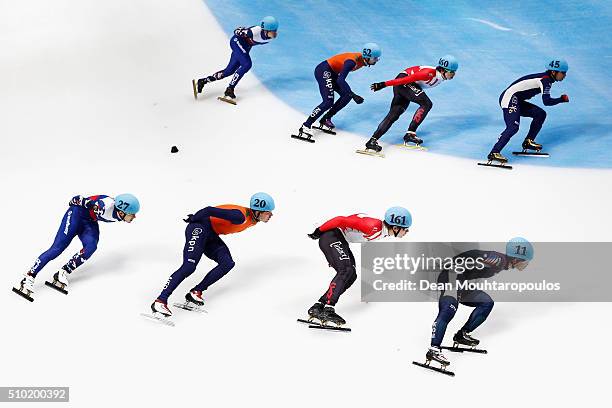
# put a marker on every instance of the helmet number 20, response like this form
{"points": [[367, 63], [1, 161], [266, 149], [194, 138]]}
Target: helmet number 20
{"points": [[259, 203]]}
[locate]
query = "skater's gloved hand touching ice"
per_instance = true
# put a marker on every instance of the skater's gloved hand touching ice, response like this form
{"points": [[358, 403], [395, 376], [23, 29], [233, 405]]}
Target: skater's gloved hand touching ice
{"points": [[378, 86], [565, 98]]}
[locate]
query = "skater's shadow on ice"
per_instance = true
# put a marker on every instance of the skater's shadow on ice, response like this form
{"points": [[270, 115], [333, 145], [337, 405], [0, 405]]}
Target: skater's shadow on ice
{"points": [[595, 134], [112, 263]]}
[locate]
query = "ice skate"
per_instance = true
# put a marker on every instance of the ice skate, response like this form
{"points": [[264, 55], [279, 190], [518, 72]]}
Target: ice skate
{"points": [[411, 137], [496, 159], [315, 313], [329, 320], [198, 86], [326, 126], [329, 317], [193, 302], [60, 281], [25, 287], [372, 148], [531, 149], [435, 354], [462, 341], [305, 134], [229, 96], [411, 141], [160, 313]]}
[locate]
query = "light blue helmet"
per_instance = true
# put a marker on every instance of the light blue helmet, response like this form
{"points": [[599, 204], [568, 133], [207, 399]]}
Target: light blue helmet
{"points": [[557, 65], [262, 202], [127, 203], [269, 23], [371, 51], [519, 248], [449, 63], [398, 216]]}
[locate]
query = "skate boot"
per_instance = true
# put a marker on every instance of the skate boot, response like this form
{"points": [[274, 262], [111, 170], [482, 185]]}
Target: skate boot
{"points": [[316, 312], [60, 281], [435, 353], [304, 133], [195, 297], [160, 309], [25, 288], [498, 157], [229, 93], [411, 137], [372, 144], [463, 338], [530, 144], [326, 124], [329, 315], [201, 83]]}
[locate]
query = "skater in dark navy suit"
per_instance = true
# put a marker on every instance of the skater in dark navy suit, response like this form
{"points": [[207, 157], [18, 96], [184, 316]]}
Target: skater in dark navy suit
{"points": [[489, 263], [513, 102]]}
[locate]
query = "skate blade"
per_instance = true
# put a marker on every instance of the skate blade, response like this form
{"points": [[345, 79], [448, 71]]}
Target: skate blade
{"points": [[23, 295], [54, 286], [162, 320], [368, 152], [324, 130], [190, 307], [313, 322], [195, 89], [227, 100], [329, 328], [457, 349], [499, 166], [442, 369], [531, 154], [413, 147], [306, 139]]}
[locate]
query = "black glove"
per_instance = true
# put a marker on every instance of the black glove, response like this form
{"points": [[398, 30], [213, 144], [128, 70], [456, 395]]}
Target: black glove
{"points": [[377, 86], [316, 234], [188, 219], [358, 99], [565, 98]]}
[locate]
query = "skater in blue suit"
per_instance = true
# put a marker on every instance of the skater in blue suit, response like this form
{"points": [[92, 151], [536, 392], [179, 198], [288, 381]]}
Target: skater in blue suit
{"points": [[81, 219], [240, 61], [513, 102]]}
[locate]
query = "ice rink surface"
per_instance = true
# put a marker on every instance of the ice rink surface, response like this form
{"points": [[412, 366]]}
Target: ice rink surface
{"points": [[93, 97]]}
